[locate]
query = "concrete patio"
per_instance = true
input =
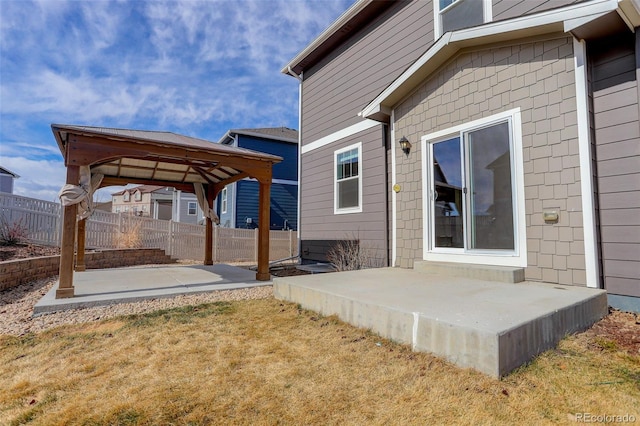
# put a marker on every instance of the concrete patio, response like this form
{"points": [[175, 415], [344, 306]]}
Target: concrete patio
{"points": [[99, 287], [485, 324]]}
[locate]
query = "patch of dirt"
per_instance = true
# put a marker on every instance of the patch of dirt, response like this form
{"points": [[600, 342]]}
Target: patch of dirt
{"points": [[23, 251], [288, 271], [618, 330]]}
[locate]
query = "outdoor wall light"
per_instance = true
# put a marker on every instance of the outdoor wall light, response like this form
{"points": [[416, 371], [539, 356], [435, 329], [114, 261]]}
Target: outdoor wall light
{"points": [[405, 145]]}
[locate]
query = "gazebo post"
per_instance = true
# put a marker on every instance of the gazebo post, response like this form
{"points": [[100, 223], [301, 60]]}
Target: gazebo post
{"points": [[208, 240], [264, 224], [65, 286], [82, 235]]}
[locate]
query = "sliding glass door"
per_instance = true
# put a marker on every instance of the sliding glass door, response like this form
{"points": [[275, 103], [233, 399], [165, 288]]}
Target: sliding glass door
{"points": [[472, 191]]}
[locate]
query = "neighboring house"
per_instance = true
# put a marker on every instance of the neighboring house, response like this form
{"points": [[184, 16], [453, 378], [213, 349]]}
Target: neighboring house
{"points": [[6, 180], [237, 204], [524, 128], [185, 209], [158, 202], [144, 200]]}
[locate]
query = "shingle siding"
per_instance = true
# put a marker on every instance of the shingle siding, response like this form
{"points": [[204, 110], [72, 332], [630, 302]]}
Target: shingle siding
{"points": [[538, 77]]}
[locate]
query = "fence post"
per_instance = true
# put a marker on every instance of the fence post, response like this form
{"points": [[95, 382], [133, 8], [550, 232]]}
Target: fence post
{"points": [[170, 244], [290, 243], [255, 245], [215, 243]]}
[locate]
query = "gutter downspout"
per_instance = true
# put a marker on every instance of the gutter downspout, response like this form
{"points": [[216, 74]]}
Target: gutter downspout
{"points": [[300, 79]]}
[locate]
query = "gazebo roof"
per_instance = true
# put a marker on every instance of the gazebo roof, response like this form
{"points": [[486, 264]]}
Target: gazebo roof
{"points": [[157, 158]]}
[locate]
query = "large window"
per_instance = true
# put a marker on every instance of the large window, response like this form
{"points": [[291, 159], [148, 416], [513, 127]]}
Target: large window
{"points": [[453, 15], [348, 179], [472, 190]]}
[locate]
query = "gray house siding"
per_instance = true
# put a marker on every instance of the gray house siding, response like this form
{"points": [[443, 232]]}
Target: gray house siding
{"points": [[506, 9], [337, 88], [6, 183], [614, 85], [334, 92], [317, 182], [227, 219]]}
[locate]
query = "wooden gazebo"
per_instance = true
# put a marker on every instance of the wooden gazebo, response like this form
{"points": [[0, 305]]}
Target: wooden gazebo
{"points": [[119, 157]]}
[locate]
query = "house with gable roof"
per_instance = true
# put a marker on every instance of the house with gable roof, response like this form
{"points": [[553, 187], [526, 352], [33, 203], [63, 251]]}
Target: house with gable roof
{"points": [[485, 132], [237, 204], [6, 180]]}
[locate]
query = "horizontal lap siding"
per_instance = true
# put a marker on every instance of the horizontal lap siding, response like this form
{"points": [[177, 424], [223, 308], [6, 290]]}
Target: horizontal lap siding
{"points": [[617, 139], [317, 183], [283, 200], [506, 9], [337, 88]]}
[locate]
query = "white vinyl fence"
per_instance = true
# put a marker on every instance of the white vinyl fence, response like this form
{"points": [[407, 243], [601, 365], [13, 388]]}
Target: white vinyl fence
{"points": [[42, 220]]}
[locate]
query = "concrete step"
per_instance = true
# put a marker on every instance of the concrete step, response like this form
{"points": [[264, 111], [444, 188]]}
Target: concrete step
{"points": [[502, 274]]}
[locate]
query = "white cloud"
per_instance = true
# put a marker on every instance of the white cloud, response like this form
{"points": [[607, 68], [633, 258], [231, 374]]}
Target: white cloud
{"points": [[40, 179], [192, 67]]}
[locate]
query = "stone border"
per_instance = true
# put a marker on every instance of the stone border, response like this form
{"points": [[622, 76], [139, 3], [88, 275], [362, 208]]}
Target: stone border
{"points": [[20, 271]]}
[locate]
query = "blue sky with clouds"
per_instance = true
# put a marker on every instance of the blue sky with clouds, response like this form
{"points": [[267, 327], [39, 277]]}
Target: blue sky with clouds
{"points": [[193, 67]]}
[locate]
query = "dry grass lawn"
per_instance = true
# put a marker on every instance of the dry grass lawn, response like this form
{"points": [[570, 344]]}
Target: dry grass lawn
{"points": [[268, 362]]}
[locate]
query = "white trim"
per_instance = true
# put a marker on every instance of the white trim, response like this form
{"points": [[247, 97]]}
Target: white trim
{"points": [[343, 19], [487, 15], [586, 172], [519, 256], [234, 203], [394, 196], [224, 200], [195, 207], [340, 134], [347, 210], [447, 45], [278, 181]]}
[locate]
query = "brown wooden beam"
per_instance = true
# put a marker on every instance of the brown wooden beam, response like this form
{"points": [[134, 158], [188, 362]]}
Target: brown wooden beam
{"points": [[264, 224], [65, 286], [83, 151], [112, 180], [82, 233]]}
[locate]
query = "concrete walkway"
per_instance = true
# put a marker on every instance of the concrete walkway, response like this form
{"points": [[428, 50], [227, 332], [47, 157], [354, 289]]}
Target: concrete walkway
{"points": [[98, 287], [491, 326]]}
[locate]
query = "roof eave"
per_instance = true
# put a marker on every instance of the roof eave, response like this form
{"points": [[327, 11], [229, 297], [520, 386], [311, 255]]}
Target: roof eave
{"points": [[358, 15], [494, 32]]}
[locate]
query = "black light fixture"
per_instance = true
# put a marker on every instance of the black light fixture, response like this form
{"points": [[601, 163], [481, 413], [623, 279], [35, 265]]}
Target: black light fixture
{"points": [[405, 145]]}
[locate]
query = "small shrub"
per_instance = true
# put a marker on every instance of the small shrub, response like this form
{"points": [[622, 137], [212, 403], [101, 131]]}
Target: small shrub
{"points": [[12, 234], [350, 255], [129, 237]]}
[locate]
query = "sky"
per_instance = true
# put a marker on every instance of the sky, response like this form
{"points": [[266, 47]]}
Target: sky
{"points": [[196, 67]]}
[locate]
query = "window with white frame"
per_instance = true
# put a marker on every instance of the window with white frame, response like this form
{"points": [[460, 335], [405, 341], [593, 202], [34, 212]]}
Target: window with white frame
{"points": [[474, 192], [137, 196], [126, 196], [191, 208], [223, 200], [453, 15], [348, 179]]}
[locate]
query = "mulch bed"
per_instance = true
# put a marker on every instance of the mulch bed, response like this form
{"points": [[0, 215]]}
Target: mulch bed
{"points": [[24, 251]]}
